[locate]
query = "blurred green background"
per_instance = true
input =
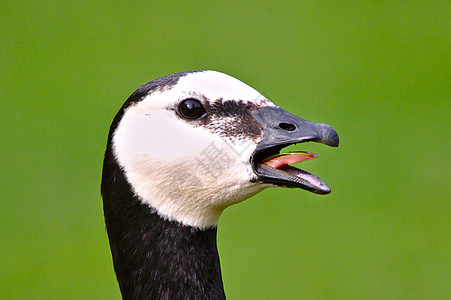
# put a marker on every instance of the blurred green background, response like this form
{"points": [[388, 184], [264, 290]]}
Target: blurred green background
{"points": [[377, 71]]}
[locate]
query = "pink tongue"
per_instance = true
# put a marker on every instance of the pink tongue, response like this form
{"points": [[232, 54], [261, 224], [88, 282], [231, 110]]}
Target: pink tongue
{"points": [[280, 160]]}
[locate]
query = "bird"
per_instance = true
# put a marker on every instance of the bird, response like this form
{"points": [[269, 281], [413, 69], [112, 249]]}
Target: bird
{"points": [[180, 150]]}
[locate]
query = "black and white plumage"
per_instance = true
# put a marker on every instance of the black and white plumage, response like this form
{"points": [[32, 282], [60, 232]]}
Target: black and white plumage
{"points": [[181, 149]]}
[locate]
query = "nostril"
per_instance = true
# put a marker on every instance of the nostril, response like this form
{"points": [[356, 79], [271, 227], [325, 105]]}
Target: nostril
{"points": [[287, 126]]}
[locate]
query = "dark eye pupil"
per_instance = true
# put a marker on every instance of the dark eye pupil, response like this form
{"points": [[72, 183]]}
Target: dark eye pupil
{"points": [[191, 109]]}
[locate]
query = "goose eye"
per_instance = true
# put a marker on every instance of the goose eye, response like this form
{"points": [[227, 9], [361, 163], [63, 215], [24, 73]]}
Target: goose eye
{"points": [[191, 109]]}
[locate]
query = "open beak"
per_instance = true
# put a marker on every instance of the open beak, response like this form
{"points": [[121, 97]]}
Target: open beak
{"points": [[281, 129]]}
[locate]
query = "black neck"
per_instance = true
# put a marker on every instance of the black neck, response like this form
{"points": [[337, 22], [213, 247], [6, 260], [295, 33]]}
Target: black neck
{"points": [[155, 258]]}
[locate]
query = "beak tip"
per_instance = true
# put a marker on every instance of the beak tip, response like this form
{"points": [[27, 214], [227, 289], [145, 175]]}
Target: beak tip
{"points": [[330, 136]]}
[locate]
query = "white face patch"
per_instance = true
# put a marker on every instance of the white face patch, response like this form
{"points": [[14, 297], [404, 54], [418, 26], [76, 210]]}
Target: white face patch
{"points": [[185, 170], [215, 85]]}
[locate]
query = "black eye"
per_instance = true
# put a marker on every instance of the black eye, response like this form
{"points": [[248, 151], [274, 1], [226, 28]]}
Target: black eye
{"points": [[191, 109]]}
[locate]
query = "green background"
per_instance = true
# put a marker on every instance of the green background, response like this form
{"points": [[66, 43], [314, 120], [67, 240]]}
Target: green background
{"points": [[377, 71]]}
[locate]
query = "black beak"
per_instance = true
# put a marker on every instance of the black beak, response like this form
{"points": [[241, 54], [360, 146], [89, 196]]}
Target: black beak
{"points": [[281, 129]]}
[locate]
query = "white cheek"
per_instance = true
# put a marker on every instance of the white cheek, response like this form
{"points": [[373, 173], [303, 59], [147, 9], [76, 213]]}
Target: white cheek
{"points": [[185, 172], [159, 134]]}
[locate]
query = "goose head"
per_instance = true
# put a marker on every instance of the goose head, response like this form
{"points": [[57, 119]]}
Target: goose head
{"points": [[191, 144]]}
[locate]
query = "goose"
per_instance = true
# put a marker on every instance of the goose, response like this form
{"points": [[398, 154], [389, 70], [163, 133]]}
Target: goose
{"points": [[181, 149]]}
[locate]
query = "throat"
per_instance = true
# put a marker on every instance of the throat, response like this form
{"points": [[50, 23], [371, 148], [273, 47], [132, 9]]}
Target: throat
{"points": [[159, 259]]}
